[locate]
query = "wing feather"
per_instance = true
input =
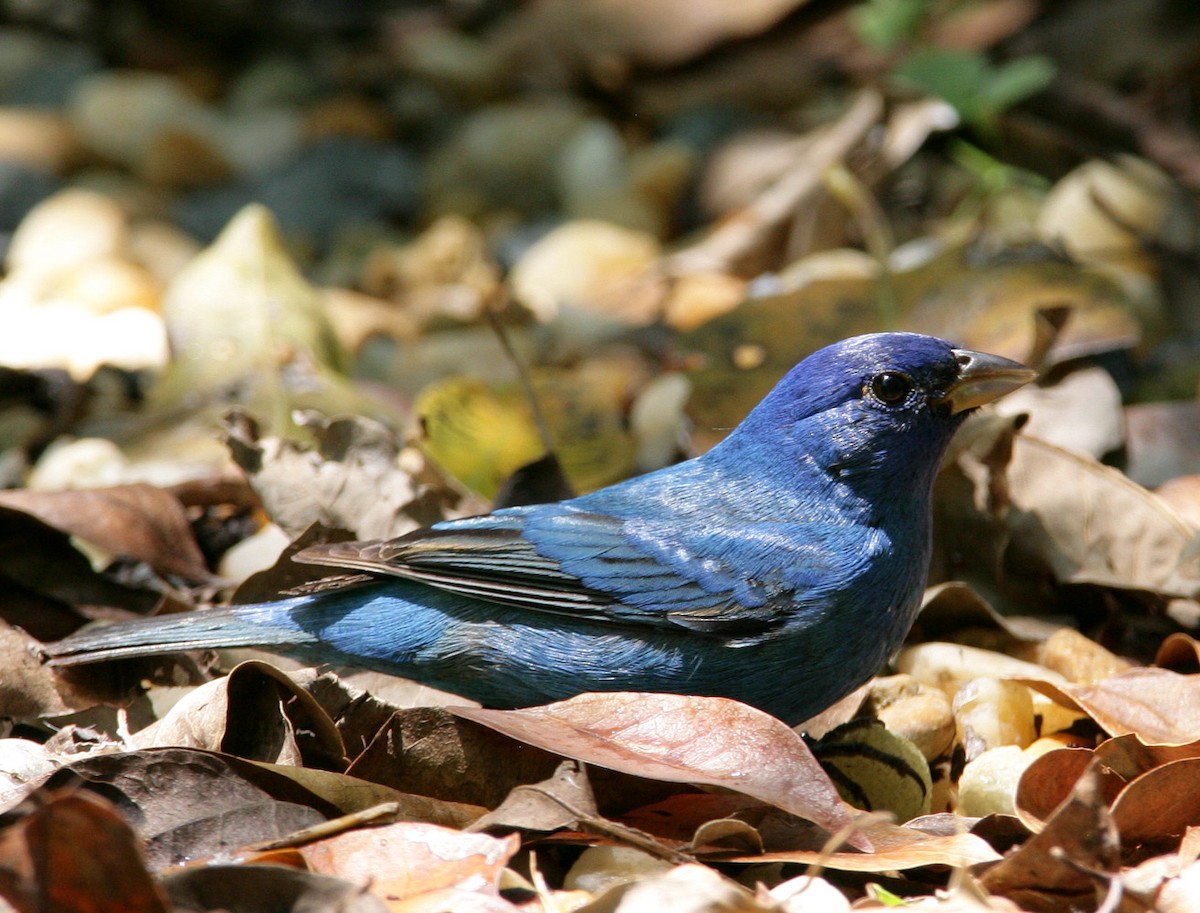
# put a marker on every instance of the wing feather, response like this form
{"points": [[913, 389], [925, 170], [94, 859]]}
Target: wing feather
{"points": [[563, 560]]}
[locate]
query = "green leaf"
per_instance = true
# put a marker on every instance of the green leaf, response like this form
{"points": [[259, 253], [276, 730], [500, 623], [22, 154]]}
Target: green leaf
{"points": [[884, 24], [1017, 80], [978, 90]]}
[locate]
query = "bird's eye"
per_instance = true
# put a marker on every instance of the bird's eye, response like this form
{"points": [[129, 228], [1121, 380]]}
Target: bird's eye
{"points": [[891, 387]]}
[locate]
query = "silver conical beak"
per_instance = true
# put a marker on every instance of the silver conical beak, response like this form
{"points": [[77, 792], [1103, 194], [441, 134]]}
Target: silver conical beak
{"points": [[983, 378]]}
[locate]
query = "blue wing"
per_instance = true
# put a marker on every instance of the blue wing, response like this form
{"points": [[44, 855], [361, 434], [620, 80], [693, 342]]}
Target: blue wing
{"points": [[559, 558]]}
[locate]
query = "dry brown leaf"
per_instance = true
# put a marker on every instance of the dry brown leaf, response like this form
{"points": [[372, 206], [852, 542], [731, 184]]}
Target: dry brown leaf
{"points": [[257, 713], [1164, 443], [428, 751], [1047, 872], [138, 520], [1129, 756], [1091, 524], [1179, 652], [419, 868], [682, 739], [1048, 781], [1080, 411], [1157, 705], [75, 854], [559, 802], [240, 888], [29, 689], [994, 308], [355, 478], [191, 804], [897, 847], [49, 588], [1159, 806], [1147, 786], [658, 34]]}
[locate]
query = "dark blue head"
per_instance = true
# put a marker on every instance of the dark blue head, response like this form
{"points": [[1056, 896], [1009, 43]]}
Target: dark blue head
{"points": [[875, 412]]}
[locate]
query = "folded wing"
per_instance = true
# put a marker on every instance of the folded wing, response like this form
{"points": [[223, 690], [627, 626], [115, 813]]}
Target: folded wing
{"points": [[559, 559]]}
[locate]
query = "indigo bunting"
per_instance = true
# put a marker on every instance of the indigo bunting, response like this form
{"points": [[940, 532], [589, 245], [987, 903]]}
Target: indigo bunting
{"points": [[782, 568]]}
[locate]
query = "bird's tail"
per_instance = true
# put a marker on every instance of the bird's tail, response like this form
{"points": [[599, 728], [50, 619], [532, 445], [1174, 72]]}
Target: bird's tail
{"points": [[266, 625]]}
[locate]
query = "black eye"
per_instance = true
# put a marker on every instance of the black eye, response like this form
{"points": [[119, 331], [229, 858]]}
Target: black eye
{"points": [[891, 387]]}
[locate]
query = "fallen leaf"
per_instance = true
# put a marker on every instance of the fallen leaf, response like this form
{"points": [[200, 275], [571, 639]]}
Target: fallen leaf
{"points": [[1163, 441], [356, 478], [39, 561], [1088, 523], [1049, 870], [1179, 652], [75, 854], [787, 839], [30, 689], [708, 740], [559, 802], [252, 888], [1159, 806], [1157, 705], [428, 751], [139, 521], [1047, 783], [257, 713], [190, 804], [419, 868], [896, 847]]}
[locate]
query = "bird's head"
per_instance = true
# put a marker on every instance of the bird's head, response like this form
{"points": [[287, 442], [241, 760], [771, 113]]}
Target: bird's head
{"points": [[878, 409]]}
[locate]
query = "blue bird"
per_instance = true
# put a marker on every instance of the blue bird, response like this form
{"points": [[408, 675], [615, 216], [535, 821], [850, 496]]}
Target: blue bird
{"points": [[782, 568]]}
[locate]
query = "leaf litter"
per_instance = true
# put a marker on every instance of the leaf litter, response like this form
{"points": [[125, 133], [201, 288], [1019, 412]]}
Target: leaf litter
{"points": [[1046, 704]]}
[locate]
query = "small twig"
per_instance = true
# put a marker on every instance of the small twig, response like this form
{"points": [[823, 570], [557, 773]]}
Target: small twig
{"points": [[605, 828], [539, 417], [737, 238], [843, 835], [877, 234], [384, 813]]}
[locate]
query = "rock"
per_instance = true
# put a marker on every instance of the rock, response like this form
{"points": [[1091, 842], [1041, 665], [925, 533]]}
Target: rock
{"points": [[271, 82], [161, 248], [53, 76], [445, 273], [591, 165], [338, 181], [348, 115], [39, 140], [259, 143], [106, 284], [697, 298], [89, 462], [497, 158], [153, 125], [180, 158], [67, 229], [593, 266], [120, 114], [254, 553], [59, 333], [20, 51]]}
